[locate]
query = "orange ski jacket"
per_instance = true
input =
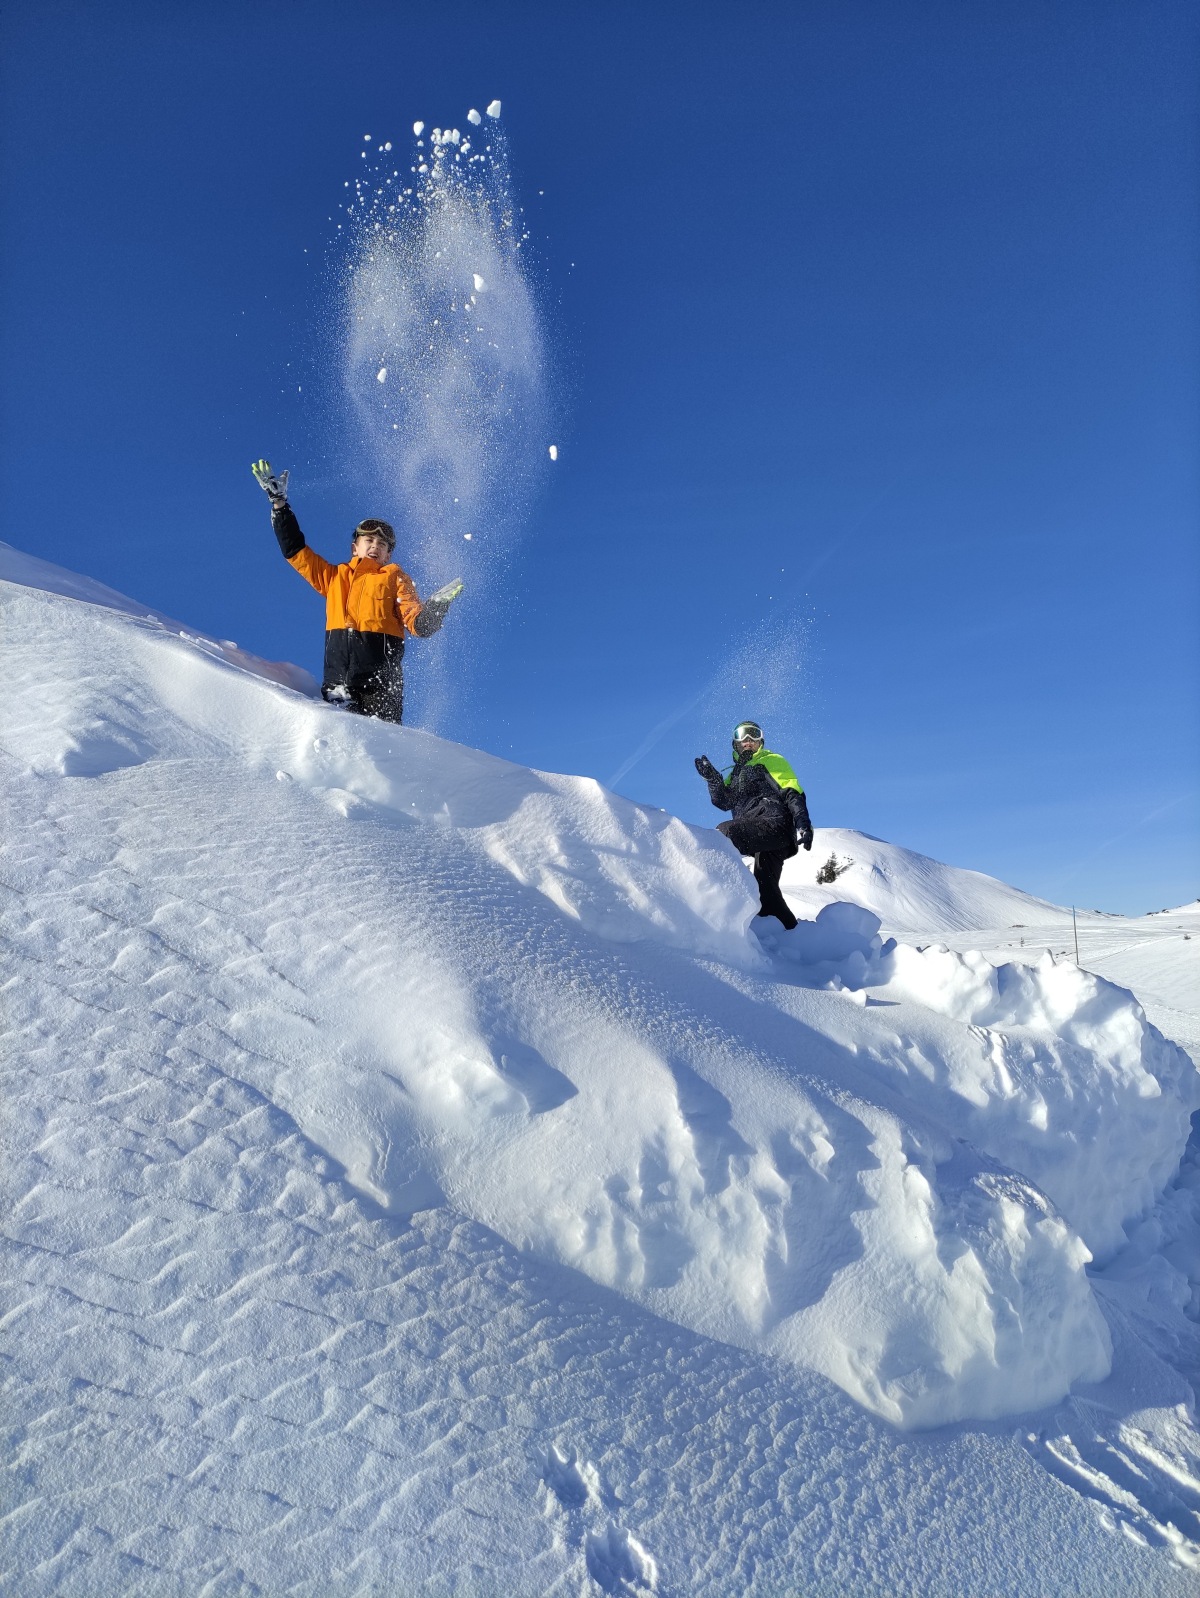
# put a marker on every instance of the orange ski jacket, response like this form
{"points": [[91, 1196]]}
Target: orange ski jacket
{"points": [[362, 594]]}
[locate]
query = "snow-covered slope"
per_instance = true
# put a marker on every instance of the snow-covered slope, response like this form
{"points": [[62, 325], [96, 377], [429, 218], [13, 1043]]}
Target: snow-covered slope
{"points": [[333, 1044], [1157, 955]]}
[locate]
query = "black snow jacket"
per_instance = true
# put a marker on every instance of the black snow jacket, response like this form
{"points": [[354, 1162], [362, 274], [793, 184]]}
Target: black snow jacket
{"points": [[768, 803]]}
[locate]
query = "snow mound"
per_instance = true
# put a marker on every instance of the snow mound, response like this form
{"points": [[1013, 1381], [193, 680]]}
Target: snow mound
{"points": [[518, 996], [1051, 1069]]}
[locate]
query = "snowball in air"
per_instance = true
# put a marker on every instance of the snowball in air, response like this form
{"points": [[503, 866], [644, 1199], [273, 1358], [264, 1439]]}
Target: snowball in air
{"points": [[418, 129], [554, 452], [467, 536], [493, 110], [381, 374], [480, 285], [473, 117]]}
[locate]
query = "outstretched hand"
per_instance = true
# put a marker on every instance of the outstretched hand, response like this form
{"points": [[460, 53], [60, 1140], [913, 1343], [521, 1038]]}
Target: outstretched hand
{"points": [[705, 767], [447, 592], [275, 487]]}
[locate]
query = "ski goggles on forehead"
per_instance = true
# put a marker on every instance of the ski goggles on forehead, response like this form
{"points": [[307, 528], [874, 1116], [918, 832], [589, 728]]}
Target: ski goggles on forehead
{"points": [[747, 732]]}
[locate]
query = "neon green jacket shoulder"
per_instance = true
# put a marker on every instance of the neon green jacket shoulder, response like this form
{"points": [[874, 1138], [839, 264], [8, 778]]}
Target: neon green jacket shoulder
{"points": [[778, 768]]}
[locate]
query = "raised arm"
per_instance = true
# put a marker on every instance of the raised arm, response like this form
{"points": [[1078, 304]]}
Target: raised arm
{"points": [[717, 790], [286, 528]]}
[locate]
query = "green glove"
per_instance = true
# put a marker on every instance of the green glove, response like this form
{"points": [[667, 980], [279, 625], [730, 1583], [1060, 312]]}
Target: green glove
{"points": [[274, 487], [447, 592]]}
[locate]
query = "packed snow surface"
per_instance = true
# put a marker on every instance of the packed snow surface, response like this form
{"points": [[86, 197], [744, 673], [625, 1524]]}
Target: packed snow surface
{"points": [[384, 1117]]}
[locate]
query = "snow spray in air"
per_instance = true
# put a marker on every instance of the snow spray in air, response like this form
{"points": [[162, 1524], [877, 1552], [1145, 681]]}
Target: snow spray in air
{"points": [[444, 362]]}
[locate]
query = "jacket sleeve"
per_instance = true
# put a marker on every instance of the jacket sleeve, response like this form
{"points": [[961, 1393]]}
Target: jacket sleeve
{"points": [[296, 552], [428, 619], [798, 806], [718, 792], [410, 610]]}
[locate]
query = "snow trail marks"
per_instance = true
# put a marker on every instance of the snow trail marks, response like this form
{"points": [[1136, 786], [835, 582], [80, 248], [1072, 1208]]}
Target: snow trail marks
{"points": [[1141, 1469]]}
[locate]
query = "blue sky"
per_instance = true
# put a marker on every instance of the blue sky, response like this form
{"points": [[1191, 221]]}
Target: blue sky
{"points": [[873, 348]]}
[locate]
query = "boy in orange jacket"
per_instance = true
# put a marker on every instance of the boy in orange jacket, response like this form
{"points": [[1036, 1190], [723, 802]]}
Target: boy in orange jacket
{"points": [[370, 605]]}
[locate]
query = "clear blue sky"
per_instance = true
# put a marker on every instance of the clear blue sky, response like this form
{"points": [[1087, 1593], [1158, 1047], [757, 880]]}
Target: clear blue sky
{"points": [[874, 335]]}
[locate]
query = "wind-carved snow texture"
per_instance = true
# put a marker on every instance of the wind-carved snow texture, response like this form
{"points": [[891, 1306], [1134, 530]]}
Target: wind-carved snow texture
{"points": [[343, 1057], [443, 358]]}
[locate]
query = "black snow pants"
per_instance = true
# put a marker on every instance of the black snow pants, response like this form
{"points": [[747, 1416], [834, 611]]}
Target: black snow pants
{"points": [[768, 866], [381, 696]]}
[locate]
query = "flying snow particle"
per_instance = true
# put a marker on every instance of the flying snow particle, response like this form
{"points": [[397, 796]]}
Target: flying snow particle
{"points": [[493, 110], [366, 138], [554, 452], [480, 285], [388, 145], [473, 117], [418, 129], [381, 375], [467, 536]]}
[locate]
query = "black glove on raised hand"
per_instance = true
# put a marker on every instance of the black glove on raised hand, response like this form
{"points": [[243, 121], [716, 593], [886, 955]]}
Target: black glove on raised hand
{"points": [[705, 767]]}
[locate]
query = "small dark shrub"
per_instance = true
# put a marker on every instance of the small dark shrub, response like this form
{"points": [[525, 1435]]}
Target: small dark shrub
{"points": [[831, 871]]}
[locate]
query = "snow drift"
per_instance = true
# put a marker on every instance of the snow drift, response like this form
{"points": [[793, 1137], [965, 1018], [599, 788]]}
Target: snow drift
{"points": [[521, 997]]}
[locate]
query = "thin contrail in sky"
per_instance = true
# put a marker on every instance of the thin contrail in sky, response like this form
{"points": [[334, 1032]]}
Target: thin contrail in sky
{"points": [[1151, 815], [656, 732], [954, 392]]}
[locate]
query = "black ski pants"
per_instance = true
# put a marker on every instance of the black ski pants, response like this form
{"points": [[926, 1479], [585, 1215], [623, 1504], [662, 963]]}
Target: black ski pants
{"points": [[768, 867], [381, 696]]}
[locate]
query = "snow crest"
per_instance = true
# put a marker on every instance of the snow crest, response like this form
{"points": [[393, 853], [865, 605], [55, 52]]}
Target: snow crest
{"points": [[520, 997]]}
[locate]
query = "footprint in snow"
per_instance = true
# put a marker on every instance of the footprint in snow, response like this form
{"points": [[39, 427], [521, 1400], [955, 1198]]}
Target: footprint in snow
{"points": [[616, 1561], [566, 1479]]}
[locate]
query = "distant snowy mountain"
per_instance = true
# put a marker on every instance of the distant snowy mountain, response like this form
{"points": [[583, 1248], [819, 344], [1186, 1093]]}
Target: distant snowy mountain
{"points": [[387, 1120]]}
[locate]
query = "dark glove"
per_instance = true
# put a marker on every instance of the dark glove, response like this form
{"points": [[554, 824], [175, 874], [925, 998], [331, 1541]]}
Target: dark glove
{"points": [[804, 838], [706, 768], [275, 487]]}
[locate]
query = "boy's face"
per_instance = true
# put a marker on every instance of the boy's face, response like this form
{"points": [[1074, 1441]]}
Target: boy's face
{"points": [[371, 546]]}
